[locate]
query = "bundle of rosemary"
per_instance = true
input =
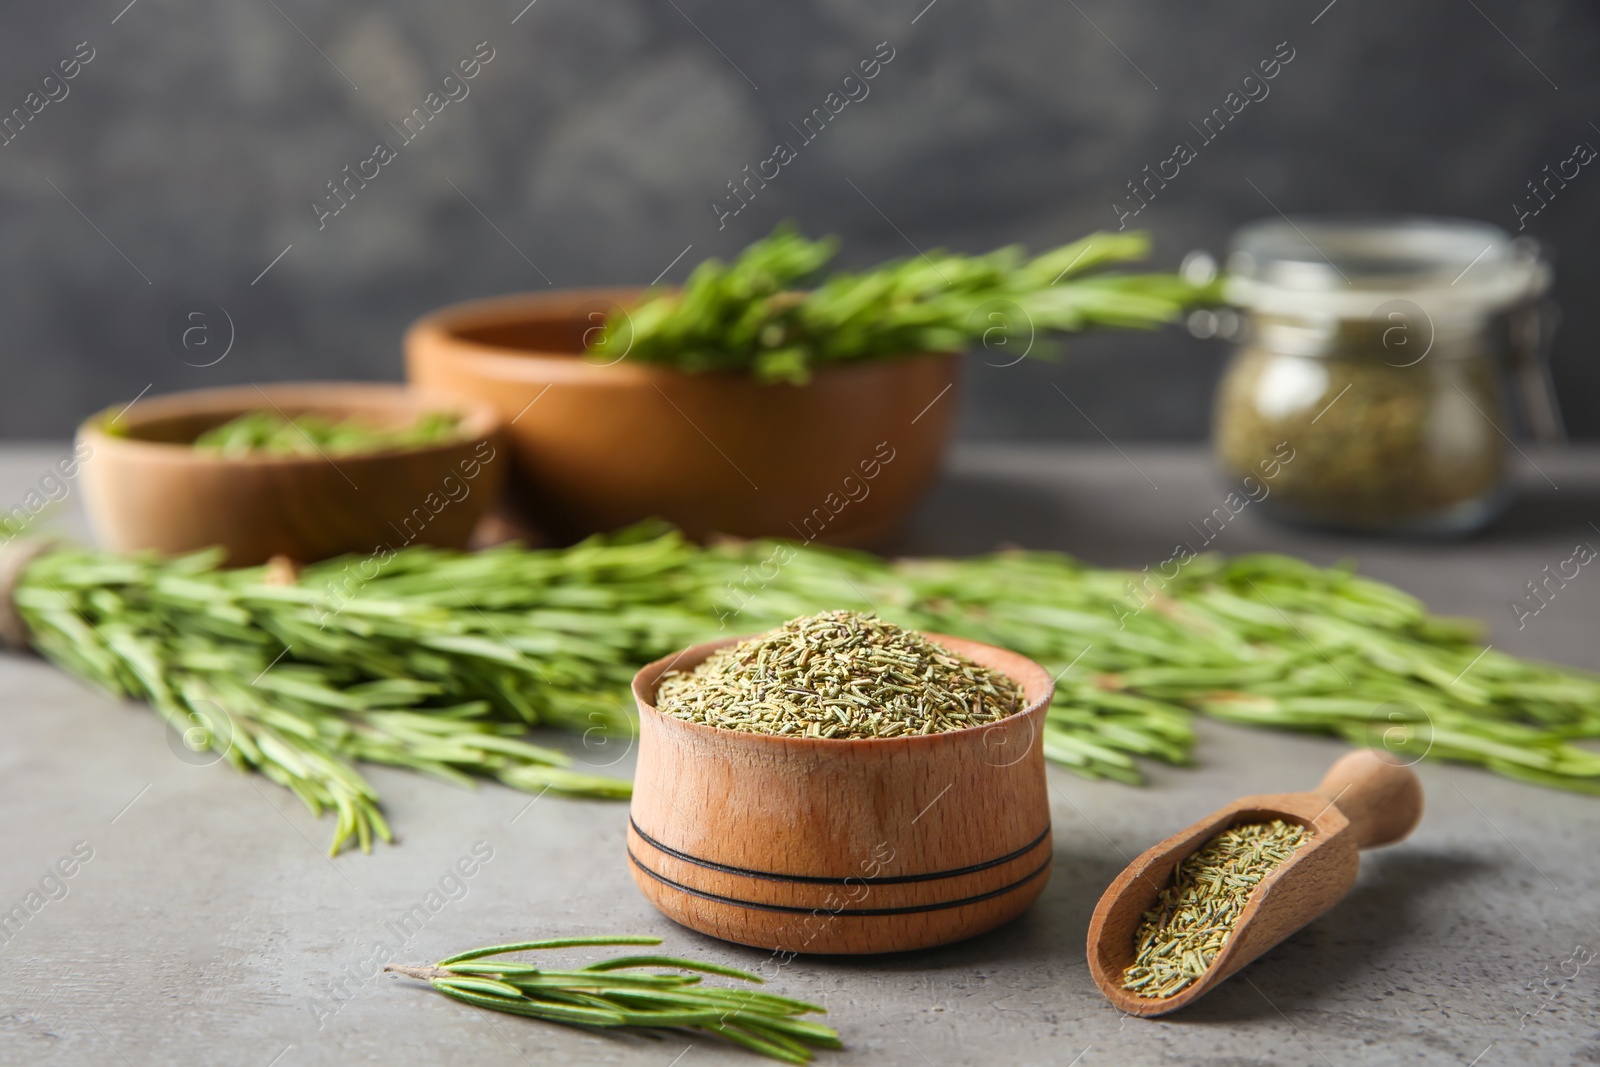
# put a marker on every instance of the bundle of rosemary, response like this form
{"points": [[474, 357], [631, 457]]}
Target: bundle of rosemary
{"points": [[441, 661], [750, 315]]}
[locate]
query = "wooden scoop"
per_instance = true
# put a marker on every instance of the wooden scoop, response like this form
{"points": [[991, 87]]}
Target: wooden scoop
{"points": [[1365, 800]]}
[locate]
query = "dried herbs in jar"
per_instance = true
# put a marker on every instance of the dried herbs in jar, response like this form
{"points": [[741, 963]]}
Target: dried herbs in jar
{"points": [[1377, 446], [1373, 349]]}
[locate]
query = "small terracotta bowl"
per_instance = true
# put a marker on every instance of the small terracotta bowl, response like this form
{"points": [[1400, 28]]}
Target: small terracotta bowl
{"points": [[841, 460], [146, 487], [841, 846]]}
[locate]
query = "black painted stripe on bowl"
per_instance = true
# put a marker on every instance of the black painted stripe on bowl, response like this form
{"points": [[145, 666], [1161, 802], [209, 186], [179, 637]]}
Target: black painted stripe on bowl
{"points": [[857, 912], [811, 879]]}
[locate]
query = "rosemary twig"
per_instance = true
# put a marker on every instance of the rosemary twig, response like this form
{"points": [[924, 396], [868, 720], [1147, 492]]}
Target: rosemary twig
{"points": [[617, 992]]}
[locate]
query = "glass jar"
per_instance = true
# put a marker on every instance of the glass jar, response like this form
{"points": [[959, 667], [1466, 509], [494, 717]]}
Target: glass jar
{"points": [[1366, 392]]}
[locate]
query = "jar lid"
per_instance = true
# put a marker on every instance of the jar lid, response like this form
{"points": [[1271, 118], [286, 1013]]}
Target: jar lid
{"points": [[1348, 268]]}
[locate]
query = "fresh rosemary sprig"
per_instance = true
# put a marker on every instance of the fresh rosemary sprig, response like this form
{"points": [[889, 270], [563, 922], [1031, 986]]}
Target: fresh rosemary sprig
{"points": [[617, 992], [441, 661], [750, 316]]}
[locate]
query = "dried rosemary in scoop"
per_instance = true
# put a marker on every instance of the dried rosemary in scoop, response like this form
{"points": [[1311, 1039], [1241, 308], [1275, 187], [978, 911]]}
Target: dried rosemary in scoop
{"points": [[1195, 917], [840, 674]]}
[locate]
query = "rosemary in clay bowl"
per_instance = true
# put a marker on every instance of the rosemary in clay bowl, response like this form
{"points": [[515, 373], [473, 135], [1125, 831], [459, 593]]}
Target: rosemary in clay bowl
{"points": [[845, 675]]}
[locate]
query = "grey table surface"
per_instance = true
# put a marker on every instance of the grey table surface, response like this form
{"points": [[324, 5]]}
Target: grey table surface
{"points": [[207, 925]]}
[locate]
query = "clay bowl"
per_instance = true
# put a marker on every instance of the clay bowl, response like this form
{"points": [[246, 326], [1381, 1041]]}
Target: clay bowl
{"points": [[146, 488], [841, 460], [841, 846]]}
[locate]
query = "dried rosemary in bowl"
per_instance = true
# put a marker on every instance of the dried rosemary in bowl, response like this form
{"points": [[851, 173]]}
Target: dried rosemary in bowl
{"points": [[1194, 918], [839, 674]]}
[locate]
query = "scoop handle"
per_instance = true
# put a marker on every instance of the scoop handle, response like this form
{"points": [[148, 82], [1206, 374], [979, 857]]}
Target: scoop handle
{"points": [[1380, 796]]}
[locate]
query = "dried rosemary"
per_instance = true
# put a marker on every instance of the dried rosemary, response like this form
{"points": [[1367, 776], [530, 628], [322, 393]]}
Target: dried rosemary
{"points": [[1196, 915], [1401, 445], [840, 674], [616, 992]]}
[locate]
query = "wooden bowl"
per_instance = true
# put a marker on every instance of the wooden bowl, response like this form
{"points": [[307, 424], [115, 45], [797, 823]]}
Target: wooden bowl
{"points": [[841, 460], [147, 488], [841, 846]]}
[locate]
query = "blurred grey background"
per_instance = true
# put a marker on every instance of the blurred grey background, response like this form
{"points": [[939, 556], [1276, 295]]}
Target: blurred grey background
{"points": [[182, 162]]}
